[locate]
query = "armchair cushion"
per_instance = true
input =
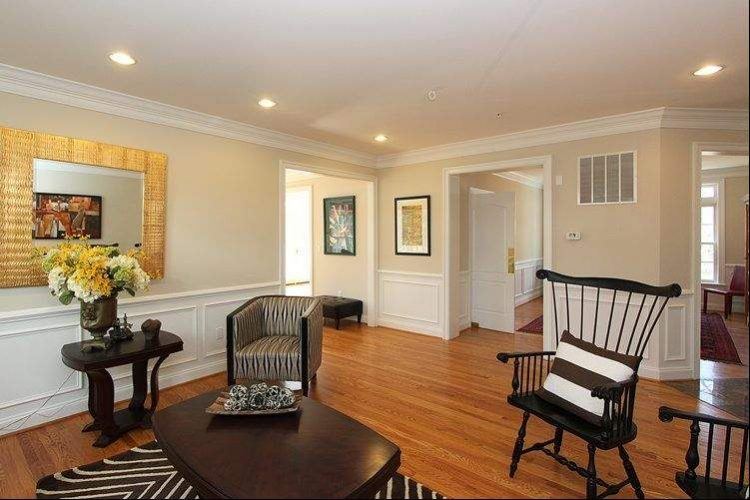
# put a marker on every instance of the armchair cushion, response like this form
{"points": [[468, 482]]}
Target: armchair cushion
{"points": [[269, 358], [578, 368]]}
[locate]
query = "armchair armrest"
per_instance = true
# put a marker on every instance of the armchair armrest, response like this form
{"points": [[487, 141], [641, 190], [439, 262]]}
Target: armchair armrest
{"points": [[619, 399], [504, 357], [244, 326], [311, 342], [528, 369], [667, 414]]}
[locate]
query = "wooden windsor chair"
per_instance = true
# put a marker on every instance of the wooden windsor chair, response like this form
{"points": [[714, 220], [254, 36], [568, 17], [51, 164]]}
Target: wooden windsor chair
{"points": [[623, 335]]}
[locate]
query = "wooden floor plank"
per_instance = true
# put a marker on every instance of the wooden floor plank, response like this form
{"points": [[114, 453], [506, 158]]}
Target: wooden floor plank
{"points": [[442, 402]]}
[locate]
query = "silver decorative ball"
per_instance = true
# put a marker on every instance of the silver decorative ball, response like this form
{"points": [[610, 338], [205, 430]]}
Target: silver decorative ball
{"points": [[238, 391]]}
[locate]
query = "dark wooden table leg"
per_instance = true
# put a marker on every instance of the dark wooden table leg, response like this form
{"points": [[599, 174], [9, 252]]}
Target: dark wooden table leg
{"points": [[140, 389], [103, 402], [155, 386]]}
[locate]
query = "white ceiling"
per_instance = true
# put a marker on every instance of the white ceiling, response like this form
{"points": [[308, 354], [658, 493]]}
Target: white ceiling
{"points": [[343, 71]]}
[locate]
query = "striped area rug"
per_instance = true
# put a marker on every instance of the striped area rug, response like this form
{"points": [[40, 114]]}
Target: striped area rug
{"points": [[144, 472]]}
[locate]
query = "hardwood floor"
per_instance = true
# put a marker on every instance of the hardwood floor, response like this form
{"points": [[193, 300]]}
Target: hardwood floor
{"points": [[528, 312], [442, 402]]}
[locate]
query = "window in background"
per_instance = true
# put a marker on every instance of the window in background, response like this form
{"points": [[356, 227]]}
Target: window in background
{"points": [[709, 232]]}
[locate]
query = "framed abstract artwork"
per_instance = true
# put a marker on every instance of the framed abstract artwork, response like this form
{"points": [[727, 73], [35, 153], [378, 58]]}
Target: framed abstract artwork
{"points": [[60, 216], [340, 226], [412, 225]]}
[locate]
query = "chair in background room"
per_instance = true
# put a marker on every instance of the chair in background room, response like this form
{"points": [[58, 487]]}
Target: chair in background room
{"points": [[275, 338], [736, 289]]}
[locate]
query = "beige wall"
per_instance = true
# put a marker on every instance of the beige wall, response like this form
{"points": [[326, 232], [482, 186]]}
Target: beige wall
{"points": [[675, 201], [735, 191], [222, 197], [529, 204], [648, 240], [334, 273]]}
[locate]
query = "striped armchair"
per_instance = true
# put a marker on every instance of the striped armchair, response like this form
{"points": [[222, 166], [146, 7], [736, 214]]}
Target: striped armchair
{"points": [[275, 337]]}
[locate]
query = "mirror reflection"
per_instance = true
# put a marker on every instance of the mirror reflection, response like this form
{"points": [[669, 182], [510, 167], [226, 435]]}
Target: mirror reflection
{"points": [[74, 200]]}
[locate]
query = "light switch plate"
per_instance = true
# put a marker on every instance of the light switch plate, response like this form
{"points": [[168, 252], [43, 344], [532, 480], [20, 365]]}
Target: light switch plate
{"points": [[573, 235]]}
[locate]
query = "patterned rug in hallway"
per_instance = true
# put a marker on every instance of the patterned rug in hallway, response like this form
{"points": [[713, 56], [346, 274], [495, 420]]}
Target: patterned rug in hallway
{"points": [[145, 472], [535, 326], [716, 342]]}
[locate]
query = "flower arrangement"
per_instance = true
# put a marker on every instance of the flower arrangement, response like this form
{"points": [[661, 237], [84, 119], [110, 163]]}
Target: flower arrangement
{"points": [[76, 269]]}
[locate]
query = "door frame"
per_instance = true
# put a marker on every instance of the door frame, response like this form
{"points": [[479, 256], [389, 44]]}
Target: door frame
{"points": [[311, 256], [372, 228], [696, 177], [514, 164]]}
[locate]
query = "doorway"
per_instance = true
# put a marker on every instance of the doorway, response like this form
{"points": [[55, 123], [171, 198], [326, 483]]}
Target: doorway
{"points": [[299, 240], [483, 281], [307, 265]]}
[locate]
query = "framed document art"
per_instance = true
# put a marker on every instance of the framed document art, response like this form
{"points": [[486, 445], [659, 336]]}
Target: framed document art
{"points": [[412, 225], [340, 226]]}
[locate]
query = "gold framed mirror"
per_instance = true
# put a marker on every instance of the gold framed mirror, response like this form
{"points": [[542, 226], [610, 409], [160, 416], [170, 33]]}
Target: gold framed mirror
{"points": [[18, 151]]}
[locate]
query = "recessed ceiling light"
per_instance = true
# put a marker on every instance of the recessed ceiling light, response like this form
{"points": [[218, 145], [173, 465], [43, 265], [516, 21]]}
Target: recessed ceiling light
{"points": [[122, 58], [381, 138], [707, 70], [266, 103]]}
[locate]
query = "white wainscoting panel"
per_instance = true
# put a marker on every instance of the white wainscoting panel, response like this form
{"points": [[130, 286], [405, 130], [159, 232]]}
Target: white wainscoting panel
{"points": [[411, 301], [464, 291], [30, 342], [528, 287], [668, 355]]}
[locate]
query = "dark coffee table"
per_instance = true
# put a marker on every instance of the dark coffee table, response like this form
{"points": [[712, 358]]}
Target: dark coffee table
{"points": [[315, 453], [138, 351]]}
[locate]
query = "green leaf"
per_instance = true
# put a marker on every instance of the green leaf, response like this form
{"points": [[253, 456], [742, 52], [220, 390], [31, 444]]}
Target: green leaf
{"points": [[67, 297], [130, 291]]}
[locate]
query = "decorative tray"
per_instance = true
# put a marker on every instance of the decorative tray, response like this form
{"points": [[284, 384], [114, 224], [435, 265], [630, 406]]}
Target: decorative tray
{"points": [[256, 400]]}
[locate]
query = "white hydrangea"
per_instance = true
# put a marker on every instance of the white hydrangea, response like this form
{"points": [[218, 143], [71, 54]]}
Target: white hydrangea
{"points": [[142, 279], [123, 262], [56, 280], [81, 292]]}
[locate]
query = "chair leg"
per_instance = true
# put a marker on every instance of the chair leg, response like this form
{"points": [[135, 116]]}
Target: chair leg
{"points": [[558, 440], [305, 386], [630, 471], [705, 301], [727, 306], [518, 448], [591, 469]]}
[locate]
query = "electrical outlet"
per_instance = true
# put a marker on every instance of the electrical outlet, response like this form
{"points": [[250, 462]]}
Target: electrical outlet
{"points": [[219, 333], [573, 235]]}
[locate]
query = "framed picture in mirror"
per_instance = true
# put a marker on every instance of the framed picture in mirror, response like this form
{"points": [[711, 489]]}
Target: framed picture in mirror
{"points": [[58, 216]]}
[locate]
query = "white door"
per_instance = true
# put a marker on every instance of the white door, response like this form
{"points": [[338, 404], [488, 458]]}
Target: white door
{"points": [[298, 239], [492, 260]]}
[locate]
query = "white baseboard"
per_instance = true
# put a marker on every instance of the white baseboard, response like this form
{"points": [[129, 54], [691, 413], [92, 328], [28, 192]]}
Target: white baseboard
{"points": [[528, 296]]}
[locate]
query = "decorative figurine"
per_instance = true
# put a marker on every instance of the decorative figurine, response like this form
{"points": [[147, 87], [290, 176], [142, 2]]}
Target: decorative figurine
{"points": [[151, 328], [121, 330]]}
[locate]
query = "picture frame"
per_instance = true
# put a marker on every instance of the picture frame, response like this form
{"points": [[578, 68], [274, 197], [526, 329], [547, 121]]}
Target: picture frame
{"points": [[412, 225], [340, 226], [63, 215]]}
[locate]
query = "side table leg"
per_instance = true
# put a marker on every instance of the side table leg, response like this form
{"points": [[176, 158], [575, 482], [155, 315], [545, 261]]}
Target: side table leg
{"points": [[155, 385], [103, 404], [94, 424], [139, 389]]}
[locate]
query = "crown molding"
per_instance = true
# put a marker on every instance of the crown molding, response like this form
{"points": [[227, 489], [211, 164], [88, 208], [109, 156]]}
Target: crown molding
{"points": [[520, 179], [720, 119], [28, 83]]}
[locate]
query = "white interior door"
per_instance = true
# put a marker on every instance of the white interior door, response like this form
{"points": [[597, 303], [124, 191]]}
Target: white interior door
{"points": [[492, 260], [298, 239]]}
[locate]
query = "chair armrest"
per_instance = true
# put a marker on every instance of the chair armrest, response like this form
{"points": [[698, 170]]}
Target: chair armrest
{"points": [[619, 399], [504, 357], [667, 414], [311, 337], [613, 390], [245, 325], [528, 369]]}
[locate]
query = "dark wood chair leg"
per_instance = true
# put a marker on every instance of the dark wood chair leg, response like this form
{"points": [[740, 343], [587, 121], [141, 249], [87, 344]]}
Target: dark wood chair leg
{"points": [[727, 306], [630, 471], [518, 448], [705, 301], [305, 386], [558, 441], [591, 469]]}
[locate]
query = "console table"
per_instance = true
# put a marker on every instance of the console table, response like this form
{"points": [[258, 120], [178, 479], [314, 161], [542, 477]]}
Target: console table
{"points": [[137, 351]]}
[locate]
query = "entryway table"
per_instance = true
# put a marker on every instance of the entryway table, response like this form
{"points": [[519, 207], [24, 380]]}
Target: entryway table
{"points": [[137, 351]]}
